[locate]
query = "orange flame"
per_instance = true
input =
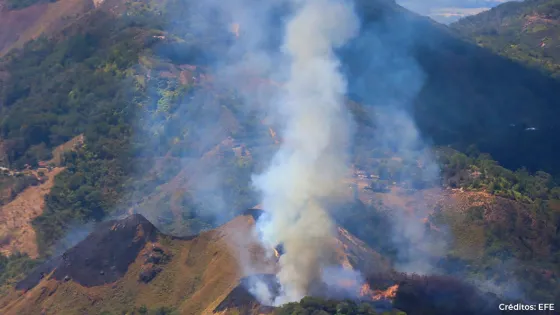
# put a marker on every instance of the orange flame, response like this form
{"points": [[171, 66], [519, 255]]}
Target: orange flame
{"points": [[273, 135], [235, 29], [276, 253], [377, 295]]}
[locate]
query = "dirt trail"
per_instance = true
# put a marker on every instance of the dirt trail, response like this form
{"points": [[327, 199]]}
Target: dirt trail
{"points": [[16, 232]]}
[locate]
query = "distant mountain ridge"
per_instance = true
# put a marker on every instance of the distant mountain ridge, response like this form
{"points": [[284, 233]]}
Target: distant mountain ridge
{"points": [[526, 31]]}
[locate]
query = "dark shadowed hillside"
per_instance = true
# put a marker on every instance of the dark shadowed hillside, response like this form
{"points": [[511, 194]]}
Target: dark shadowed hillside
{"points": [[460, 94]]}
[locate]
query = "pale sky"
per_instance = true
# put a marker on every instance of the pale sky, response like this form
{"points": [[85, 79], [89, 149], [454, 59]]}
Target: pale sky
{"points": [[447, 11]]}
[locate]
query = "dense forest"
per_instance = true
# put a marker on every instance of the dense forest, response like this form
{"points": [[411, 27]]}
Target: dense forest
{"points": [[21, 4]]}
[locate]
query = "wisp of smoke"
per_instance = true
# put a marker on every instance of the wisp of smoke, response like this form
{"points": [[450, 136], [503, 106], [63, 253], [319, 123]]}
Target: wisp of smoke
{"points": [[388, 77], [75, 234], [312, 161]]}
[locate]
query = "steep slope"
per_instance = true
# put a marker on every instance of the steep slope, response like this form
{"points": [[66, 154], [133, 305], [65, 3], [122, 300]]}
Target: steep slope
{"points": [[524, 31], [23, 199], [20, 26], [125, 264], [15, 217], [460, 94]]}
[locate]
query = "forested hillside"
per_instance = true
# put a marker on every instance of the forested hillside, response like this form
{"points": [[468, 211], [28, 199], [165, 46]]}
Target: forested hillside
{"points": [[526, 31]]}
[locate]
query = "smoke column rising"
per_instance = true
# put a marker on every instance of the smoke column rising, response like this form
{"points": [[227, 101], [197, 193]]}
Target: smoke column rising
{"points": [[312, 162]]}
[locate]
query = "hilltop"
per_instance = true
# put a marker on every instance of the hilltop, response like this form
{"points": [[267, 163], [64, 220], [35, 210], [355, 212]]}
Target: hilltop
{"points": [[525, 31], [125, 265], [128, 263]]}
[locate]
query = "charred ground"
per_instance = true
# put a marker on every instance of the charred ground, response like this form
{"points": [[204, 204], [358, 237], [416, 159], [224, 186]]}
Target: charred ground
{"points": [[102, 257], [241, 299]]}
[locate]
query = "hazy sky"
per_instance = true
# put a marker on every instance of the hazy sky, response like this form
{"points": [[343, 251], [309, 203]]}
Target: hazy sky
{"points": [[446, 11]]}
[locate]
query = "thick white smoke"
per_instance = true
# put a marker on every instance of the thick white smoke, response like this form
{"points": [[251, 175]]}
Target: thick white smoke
{"points": [[312, 161]]}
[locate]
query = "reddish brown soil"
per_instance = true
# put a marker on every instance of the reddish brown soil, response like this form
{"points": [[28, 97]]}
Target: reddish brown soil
{"points": [[16, 217]]}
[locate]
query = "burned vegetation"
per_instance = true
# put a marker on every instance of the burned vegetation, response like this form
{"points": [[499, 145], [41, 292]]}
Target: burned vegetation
{"points": [[105, 255], [438, 294], [242, 300], [155, 257]]}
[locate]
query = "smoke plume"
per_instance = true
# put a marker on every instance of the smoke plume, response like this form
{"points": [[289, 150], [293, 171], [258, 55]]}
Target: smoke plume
{"points": [[312, 161], [385, 74], [307, 109]]}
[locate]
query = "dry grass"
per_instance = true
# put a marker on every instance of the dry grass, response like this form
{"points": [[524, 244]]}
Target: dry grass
{"points": [[16, 231], [200, 274], [16, 217], [32, 22], [58, 152]]}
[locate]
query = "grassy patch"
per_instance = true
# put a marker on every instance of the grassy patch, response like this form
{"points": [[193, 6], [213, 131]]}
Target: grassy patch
{"points": [[13, 269]]}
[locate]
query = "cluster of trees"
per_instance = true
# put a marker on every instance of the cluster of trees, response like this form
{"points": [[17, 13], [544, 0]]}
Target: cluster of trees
{"points": [[59, 89], [480, 171], [406, 173], [506, 242], [474, 171], [21, 4], [519, 231], [14, 268], [523, 31], [314, 305]]}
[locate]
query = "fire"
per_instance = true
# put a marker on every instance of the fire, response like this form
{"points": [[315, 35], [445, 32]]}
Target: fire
{"points": [[377, 295], [273, 135], [235, 29], [276, 253]]}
